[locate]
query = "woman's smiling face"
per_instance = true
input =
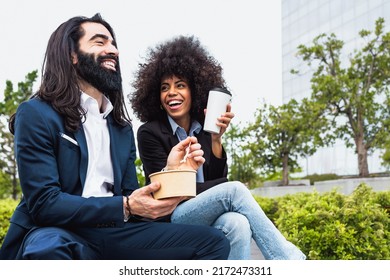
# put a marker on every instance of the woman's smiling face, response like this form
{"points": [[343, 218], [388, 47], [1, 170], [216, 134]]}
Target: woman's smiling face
{"points": [[175, 97]]}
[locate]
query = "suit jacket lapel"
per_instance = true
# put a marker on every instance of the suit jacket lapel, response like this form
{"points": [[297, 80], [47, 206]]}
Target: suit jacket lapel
{"points": [[81, 140], [166, 129], [115, 154]]}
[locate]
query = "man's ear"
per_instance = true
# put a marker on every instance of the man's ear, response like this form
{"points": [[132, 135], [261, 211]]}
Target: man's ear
{"points": [[74, 58]]}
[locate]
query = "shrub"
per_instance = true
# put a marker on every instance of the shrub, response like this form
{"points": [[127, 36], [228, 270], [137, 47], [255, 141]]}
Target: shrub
{"points": [[383, 199], [332, 226], [269, 206], [321, 177], [7, 207]]}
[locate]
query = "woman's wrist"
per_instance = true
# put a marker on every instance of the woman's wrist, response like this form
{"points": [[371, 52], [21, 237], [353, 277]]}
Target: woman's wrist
{"points": [[216, 147]]}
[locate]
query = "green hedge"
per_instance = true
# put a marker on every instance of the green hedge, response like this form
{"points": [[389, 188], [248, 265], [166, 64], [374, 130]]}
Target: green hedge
{"points": [[321, 177], [327, 226], [7, 207], [332, 226]]}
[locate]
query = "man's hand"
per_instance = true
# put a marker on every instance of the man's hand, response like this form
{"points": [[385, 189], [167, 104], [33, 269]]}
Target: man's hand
{"points": [[143, 204], [194, 158]]}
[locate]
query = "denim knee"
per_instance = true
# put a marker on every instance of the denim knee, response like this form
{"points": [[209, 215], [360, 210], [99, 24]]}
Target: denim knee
{"points": [[237, 188], [232, 223], [237, 230]]}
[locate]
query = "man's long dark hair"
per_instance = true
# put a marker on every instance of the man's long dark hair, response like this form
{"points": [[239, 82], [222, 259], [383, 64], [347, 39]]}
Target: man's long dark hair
{"points": [[59, 85]]}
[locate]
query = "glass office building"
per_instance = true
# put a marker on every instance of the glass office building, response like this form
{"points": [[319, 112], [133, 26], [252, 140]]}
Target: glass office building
{"points": [[302, 21]]}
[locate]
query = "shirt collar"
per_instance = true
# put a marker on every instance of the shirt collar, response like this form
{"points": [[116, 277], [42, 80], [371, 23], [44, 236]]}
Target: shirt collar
{"points": [[86, 102], [195, 126]]}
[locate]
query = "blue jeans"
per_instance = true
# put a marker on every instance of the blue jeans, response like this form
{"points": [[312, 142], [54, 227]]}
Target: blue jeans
{"points": [[231, 208]]}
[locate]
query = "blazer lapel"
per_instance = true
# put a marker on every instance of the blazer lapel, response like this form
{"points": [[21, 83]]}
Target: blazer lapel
{"points": [[81, 140], [166, 129], [115, 153]]}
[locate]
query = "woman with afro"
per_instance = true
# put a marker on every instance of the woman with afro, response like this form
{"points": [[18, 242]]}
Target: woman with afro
{"points": [[170, 96]]}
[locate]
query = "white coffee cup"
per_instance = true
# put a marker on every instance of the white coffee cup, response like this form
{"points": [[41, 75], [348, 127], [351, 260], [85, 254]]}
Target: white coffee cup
{"points": [[217, 101]]}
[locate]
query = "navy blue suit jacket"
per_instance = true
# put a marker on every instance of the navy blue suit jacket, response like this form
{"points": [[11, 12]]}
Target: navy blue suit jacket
{"points": [[52, 170], [155, 141]]}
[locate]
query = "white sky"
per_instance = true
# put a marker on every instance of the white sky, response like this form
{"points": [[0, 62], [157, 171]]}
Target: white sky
{"points": [[243, 35]]}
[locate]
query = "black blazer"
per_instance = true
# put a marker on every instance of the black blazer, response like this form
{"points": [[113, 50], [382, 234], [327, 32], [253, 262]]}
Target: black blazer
{"points": [[155, 141]]}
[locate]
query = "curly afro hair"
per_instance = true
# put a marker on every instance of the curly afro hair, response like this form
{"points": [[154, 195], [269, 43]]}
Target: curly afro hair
{"points": [[183, 57]]}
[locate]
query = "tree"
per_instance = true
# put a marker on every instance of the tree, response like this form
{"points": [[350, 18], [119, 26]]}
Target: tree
{"points": [[241, 167], [7, 108], [386, 153], [5, 185], [281, 134], [357, 95]]}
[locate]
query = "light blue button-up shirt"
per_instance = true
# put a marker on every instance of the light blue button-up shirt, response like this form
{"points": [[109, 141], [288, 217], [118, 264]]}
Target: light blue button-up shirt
{"points": [[182, 134]]}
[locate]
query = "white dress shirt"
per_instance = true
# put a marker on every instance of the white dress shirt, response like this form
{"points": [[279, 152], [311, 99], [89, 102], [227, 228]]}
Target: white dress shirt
{"points": [[100, 176]]}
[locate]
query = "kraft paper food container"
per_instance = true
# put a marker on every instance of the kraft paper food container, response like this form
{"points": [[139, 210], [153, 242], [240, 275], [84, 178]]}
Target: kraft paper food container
{"points": [[174, 183]]}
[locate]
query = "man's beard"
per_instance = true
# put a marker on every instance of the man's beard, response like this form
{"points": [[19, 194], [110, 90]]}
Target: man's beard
{"points": [[92, 71]]}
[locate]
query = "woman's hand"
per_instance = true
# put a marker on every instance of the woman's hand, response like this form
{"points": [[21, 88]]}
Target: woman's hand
{"points": [[194, 157], [223, 122]]}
